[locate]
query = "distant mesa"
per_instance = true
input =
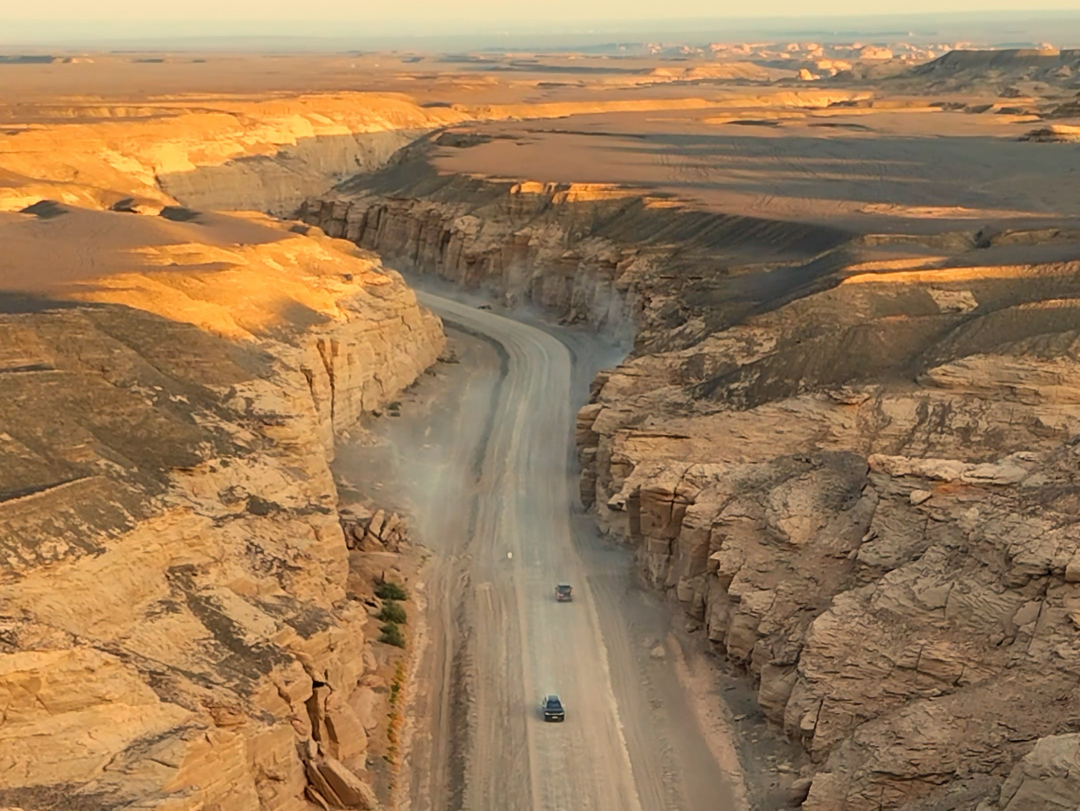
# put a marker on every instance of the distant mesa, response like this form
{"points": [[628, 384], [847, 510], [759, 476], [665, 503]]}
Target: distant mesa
{"points": [[872, 52], [44, 59], [1003, 60]]}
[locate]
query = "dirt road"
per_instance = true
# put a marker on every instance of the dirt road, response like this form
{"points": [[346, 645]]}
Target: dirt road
{"points": [[489, 476]]}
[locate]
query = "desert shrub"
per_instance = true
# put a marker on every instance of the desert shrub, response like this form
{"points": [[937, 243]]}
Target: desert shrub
{"points": [[390, 591], [391, 635], [392, 611]]}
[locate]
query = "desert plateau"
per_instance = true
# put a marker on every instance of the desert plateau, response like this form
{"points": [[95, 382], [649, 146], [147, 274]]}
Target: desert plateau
{"points": [[321, 368]]}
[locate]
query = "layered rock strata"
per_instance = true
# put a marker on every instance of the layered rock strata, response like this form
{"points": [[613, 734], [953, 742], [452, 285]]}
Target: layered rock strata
{"points": [[626, 264], [175, 630], [212, 153], [851, 462], [869, 507]]}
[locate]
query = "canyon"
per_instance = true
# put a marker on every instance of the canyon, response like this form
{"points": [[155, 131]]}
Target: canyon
{"points": [[842, 442], [843, 445]]}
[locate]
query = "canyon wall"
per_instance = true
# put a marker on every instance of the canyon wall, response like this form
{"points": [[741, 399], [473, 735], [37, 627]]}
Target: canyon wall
{"points": [[623, 263], [210, 153], [870, 507], [177, 629], [853, 467]]}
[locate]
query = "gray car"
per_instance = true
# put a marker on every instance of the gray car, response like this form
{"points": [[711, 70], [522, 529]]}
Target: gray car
{"points": [[552, 708]]}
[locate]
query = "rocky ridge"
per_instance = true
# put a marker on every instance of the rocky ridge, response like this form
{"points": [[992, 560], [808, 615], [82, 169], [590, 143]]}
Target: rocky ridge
{"points": [[853, 464], [212, 153], [177, 628], [625, 263]]}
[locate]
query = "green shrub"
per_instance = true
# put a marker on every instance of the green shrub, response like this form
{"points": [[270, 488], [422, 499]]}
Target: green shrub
{"points": [[390, 591], [393, 611], [391, 635]]}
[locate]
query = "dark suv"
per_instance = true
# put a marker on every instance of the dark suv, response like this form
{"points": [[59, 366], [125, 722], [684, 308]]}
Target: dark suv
{"points": [[552, 709]]}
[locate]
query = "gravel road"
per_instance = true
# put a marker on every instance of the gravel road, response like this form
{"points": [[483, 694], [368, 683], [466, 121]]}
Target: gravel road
{"points": [[490, 476]]}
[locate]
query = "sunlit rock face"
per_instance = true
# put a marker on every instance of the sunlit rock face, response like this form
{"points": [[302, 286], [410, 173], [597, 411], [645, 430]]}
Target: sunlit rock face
{"points": [[211, 153], [175, 625]]}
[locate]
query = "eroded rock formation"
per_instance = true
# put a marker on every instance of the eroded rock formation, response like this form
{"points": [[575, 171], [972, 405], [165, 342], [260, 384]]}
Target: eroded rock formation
{"points": [[854, 466], [868, 501], [175, 629], [212, 153], [594, 254]]}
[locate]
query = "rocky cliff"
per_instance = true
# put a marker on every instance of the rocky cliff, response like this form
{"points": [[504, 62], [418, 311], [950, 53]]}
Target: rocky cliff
{"points": [[211, 153], [176, 630], [625, 263], [869, 505], [851, 461]]}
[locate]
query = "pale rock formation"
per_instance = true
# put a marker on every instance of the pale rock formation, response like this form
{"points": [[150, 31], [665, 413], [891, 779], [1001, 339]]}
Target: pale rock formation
{"points": [[1048, 777], [873, 52], [174, 624], [376, 531], [863, 494], [217, 154]]}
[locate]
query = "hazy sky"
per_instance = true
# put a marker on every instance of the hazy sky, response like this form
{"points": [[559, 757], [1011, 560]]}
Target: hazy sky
{"points": [[405, 23], [487, 11]]}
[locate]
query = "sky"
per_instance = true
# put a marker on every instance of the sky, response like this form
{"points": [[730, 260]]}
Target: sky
{"points": [[120, 20], [468, 12]]}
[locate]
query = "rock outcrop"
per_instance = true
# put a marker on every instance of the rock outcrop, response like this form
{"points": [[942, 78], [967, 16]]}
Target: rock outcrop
{"points": [[211, 153], [175, 628], [1059, 134], [374, 531], [608, 257], [1048, 777], [854, 466], [869, 505]]}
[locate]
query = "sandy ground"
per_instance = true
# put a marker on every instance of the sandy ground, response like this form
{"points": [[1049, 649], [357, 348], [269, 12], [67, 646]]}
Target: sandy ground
{"points": [[481, 458], [59, 251], [101, 79], [913, 170]]}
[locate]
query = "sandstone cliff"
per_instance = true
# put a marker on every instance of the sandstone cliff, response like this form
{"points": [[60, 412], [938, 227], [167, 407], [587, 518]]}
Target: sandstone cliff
{"points": [[892, 558], [851, 462], [175, 629], [601, 255], [212, 153]]}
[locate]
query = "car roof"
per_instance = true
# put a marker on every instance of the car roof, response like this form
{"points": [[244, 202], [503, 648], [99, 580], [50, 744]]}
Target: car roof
{"points": [[564, 585], [552, 699]]}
